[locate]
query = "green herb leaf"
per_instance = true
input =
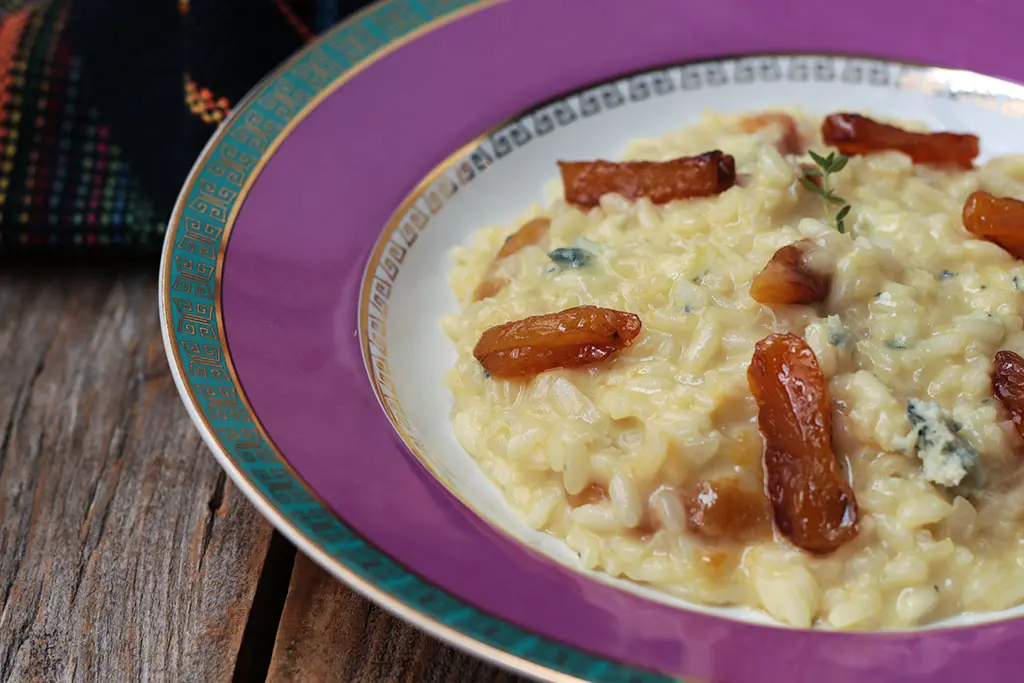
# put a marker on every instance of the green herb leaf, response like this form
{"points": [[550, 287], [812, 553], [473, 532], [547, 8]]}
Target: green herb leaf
{"points": [[819, 160], [839, 164], [833, 163], [811, 186], [840, 222]]}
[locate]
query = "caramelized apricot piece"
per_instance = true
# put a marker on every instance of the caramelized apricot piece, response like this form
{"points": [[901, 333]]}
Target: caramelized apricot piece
{"points": [[531, 232], [787, 279], [789, 142], [1008, 386], [489, 286], [645, 528], [592, 493], [813, 504], [717, 566], [997, 219], [568, 339], [854, 135], [660, 181], [724, 510]]}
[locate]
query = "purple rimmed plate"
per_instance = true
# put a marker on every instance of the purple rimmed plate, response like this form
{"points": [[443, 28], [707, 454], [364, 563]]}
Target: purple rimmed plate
{"points": [[304, 276]]}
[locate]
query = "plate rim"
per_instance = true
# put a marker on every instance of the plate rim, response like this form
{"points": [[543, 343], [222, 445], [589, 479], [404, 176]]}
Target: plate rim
{"points": [[343, 571], [285, 521]]}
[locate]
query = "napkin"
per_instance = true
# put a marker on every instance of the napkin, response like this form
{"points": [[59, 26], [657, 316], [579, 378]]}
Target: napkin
{"points": [[105, 104]]}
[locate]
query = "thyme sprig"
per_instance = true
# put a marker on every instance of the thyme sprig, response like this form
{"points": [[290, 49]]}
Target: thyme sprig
{"points": [[827, 166]]}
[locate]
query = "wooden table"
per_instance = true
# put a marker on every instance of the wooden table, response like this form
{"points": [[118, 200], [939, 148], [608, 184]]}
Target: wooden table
{"points": [[125, 555]]}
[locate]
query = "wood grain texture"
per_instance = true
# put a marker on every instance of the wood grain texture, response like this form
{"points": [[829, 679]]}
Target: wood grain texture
{"points": [[124, 554], [329, 633]]}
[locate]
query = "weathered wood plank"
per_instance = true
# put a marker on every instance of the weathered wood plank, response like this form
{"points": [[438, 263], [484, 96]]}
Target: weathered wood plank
{"points": [[329, 633], [124, 554]]}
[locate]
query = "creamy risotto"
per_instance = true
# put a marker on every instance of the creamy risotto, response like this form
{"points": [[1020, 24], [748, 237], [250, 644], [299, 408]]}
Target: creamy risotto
{"points": [[620, 456]]}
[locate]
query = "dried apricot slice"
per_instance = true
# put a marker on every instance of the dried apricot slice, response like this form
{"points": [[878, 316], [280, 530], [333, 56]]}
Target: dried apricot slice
{"points": [[853, 135], [660, 181], [567, 339], [489, 286], [788, 280], [997, 219], [789, 142], [591, 494], [813, 504], [531, 232], [723, 510], [1008, 386]]}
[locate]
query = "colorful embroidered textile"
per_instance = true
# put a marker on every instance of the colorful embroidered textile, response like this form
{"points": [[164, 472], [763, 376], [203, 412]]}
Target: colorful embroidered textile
{"points": [[105, 104]]}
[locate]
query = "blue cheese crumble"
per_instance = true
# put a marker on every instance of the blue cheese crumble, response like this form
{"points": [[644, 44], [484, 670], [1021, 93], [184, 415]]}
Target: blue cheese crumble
{"points": [[839, 334], [569, 257], [577, 256], [946, 457]]}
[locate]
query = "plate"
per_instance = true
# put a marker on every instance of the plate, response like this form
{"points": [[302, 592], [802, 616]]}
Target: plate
{"points": [[303, 278]]}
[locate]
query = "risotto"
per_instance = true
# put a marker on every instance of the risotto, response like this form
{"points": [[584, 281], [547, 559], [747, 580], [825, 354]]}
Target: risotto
{"points": [[629, 420]]}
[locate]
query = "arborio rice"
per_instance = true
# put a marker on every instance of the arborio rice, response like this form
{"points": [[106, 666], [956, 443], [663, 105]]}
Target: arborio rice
{"points": [[601, 456]]}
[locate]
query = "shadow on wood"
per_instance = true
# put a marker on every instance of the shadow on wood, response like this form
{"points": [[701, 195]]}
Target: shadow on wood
{"points": [[329, 633]]}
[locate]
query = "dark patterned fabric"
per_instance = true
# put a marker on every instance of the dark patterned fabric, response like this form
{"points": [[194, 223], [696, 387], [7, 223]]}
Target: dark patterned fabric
{"points": [[105, 104]]}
